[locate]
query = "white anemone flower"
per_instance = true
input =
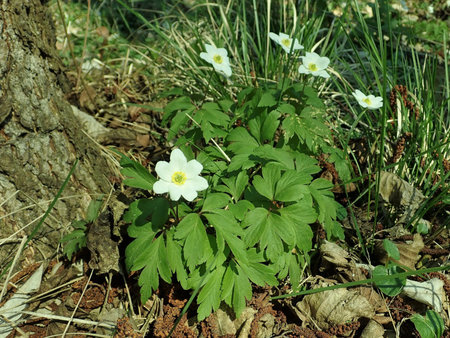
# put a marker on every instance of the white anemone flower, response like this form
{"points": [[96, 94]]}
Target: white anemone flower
{"points": [[314, 64], [285, 42], [368, 101], [218, 57], [179, 177]]}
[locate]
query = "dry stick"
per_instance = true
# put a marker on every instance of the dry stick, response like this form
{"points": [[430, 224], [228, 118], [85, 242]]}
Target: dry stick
{"points": [[55, 289], [16, 258], [4, 240], [69, 320], [9, 197], [78, 303], [13, 325]]}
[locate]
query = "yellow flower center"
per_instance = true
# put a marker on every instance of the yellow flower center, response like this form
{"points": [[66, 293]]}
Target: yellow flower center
{"points": [[286, 42], [217, 59], [179, 178], [312, 67], [367, 101]]}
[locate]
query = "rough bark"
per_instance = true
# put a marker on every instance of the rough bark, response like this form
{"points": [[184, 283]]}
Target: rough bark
{"points": [[39, 136]]}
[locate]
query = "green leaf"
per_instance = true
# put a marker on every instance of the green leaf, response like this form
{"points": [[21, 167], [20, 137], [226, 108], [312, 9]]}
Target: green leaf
{"points": [[196, 247], [209, 297], [76, 240], [242, 290], [430, 326], [227, 228], [236, 184], [391, 249], [240, 208], [174, 258], [270, 125], [389, 286], [265, 184], [269, 230], [258, 272], [278, 155], [267, 100], [150, 254], [137, 175], [93, 209], [241, 142], [144, 210], [300, 215], [288, 186], [215, 201]]}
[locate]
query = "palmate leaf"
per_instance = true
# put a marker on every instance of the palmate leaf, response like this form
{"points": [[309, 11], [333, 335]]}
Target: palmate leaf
{"points": [[265, 184], [327, 207], [268, 229], [209, 297], [192, 233], [300, 215], [228, 230], [309, 126], [149, 253], [137, 176], [174, 258]]}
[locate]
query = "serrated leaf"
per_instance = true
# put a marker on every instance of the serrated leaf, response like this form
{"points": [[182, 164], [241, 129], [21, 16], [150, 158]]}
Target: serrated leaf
{"points": [[242, 290], [288, 186], [137, 175], [227, 228], [278, 155], [240, 208], [192, 233], [209, 297], [267, 100], [174, 258], [145, 210], [270, 125], [241, 142], [151, 255], [265, 184], [215, 201], [236, 184]]}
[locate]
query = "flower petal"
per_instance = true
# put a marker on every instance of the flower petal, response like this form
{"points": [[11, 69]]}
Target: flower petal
{"points": [[321, 73], [200, 183], [193, 168], [161, 187], [207, 57], [174, 192], [303, 70], [177, 160], [274, 37], [162, 168], [189, 194], [210, 48], [323, 62]]}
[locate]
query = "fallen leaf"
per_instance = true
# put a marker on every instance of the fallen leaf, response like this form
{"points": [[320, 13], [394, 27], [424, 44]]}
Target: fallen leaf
{"points": [[430, 292], [409, 252], [335, 307], [400, 193], [11, 310]]}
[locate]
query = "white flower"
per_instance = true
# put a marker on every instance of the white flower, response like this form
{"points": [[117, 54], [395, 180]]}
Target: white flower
{"points": [[179, 177], [285, 41], [314, 64], [369, 101], [218, 57]]}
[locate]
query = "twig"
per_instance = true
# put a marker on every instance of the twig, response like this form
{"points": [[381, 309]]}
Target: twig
{"points": [[16, 258]]}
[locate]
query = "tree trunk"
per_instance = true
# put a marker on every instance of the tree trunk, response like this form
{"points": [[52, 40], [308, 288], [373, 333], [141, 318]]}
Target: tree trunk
{"points": [[40, 138]]}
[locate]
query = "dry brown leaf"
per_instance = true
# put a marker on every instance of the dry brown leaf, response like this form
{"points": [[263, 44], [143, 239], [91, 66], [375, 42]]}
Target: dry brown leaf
{"points": [[87, 98], [400, 193], [409, 251], [335, 307], [373, 330]]}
